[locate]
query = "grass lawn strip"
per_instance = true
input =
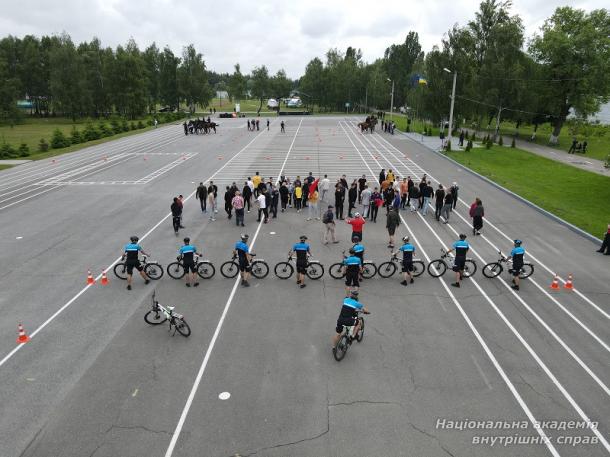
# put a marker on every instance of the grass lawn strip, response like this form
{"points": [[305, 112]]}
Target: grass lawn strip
{"points": [[577, 196]]}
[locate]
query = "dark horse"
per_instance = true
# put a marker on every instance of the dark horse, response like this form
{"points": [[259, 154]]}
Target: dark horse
{"points": [[198, 126]]}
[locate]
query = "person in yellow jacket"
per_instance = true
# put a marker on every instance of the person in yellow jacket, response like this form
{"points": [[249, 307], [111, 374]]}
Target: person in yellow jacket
{"points": [[256, 180], [390, 176], [298, 196]]}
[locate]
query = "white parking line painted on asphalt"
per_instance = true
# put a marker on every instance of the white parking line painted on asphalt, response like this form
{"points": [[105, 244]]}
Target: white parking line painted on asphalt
{"points": [[538, 261], [84, 289], [208, 353], [472, 327], [527, 346]]}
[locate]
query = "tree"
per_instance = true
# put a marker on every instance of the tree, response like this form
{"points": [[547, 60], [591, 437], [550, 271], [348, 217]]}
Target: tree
{"points": [[260, 84], [313, 81], [237, 85], [129, 81], [192, 79], [152, 63], [574, 50], [65, 77], [398, 62], [280, 85], [168, 78]]}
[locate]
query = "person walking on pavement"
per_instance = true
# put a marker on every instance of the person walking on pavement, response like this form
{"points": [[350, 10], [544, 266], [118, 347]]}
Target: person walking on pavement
{"points": [[404, 193], [381, 176], [414, 198], [202, 196], [247, 195], [446, 209], [228, 198], [267, 124], [275, 199], [339, 199], [428, 192], [365, 197], [213, 189], [256, 181], [312, 204], [477, 212], [439, 199], [298, 196], [212, 205], [329, 222], [357, 223], [454, 192], [392, 221], [238, 205], [352, 196], [284, 193], [262, 208], [176, 209], [361, 187], [376, 202], [605, 243], [422, 185], [324, 188], [282, 129], [410, 185]]}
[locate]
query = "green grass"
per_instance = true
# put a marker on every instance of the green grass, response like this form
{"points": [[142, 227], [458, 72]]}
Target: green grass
{"points": [[417, 126], [577, 196], [4, 167]]}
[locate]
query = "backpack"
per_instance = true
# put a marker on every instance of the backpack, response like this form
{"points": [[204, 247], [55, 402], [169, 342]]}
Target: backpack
{"points": [[328, 217]]}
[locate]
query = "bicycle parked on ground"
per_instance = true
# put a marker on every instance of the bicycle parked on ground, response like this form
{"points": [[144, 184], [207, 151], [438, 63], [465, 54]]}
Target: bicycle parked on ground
{"points": [[438, 267], [284, 270], [337, 270], [204, 268], [258, 268], [159, 314], [387, 269], [493, 269], [347, 337], [152, 269]]}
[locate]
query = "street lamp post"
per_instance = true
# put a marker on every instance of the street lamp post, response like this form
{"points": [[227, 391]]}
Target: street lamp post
{"points": [[452, 102], [392, 101]]}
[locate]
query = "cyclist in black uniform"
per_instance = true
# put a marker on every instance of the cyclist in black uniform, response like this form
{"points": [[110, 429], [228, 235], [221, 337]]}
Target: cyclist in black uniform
{"points": [[130, 255], [349, 316], [187, 255], [301, 249], [517, 255], [243, 254], [461, 249], [353, 270], [407, 260]]}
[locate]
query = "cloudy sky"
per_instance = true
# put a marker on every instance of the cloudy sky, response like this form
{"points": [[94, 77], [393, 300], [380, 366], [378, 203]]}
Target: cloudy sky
{"points": [[278, 33]]}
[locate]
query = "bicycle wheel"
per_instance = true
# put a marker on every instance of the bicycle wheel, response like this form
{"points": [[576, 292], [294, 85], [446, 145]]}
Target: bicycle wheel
{"points": [[182, 327], [369, 270], [315, 270], [205, 270], [154, 271], [120, 271], [470, 268], [360, 334], [341, 348], [491, 270], [336, 271], [260, 269], [526, 270], [437, 265], [284, 270], [175, 270], [154, 317], [418, 268], [386, 269], [229, 269]]}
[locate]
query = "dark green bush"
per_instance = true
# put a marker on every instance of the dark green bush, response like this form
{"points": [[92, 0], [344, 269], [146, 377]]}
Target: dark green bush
{"points": [[76, 137], [43, 146], [90, 133], [141, 125], [59, 140], [24, 150]]}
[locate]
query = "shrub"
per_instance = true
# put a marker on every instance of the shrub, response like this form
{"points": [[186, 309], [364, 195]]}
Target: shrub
{"points": [[488, 143], [448, 146], [125, 126], [473, 137], [90, 133], [7, 151], [141, 125], [512, 143], [105, 130], [115, 126], [149, 122], [59, 140], [468, 145], [133, 126], [24, 150], [75, 136], [43, 146], [500, 141]]}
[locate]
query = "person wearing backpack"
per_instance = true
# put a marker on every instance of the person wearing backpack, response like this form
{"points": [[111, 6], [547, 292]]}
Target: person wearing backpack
{"points": [[329, 221]]}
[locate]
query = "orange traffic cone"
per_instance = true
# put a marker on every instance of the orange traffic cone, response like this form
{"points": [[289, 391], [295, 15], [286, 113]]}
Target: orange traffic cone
{"points": [[555, 283], [104, 280], [23, 338], [90, 279], [569, 285]]}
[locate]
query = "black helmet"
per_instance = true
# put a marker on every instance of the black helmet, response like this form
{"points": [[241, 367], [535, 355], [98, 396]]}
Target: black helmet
{"points": [[355, 238], [352, 251], [244, 236], [187, 240], [462, 236], [517, 242], [354, 294], [302, 238], [134, 239], [405, 239]]}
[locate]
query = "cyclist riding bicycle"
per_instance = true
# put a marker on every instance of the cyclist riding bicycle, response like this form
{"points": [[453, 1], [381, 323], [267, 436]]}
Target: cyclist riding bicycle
{"points": [[131, 258], [461, 249], [517, 255], [302, 252], [243, 254], [407, 260], [353, 269], [187, 256], [349, 316]]}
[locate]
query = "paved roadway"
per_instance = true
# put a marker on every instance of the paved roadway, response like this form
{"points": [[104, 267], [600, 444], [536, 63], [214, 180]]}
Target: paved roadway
{"points": [[96, 380]]}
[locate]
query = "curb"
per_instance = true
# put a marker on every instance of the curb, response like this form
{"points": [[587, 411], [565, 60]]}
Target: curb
{"points": [[550, 215]]}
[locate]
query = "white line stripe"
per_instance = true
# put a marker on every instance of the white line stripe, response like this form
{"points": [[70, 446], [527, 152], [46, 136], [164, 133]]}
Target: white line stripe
{"points": [[474, 330], [208, 353], [84, 289], [542, 365]]}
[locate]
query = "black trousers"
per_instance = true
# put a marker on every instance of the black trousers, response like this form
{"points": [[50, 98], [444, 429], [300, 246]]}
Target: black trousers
{"points": [[339, 210], [374, 211], [176, 223], [437, 210], [351, 205], [203, 202], [228, 209], [264, 211]]}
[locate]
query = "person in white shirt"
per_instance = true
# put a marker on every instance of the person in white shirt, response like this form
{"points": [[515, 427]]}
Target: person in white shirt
{"points": [[366, 201], [324, 188], [250, 184], [262, 208]]}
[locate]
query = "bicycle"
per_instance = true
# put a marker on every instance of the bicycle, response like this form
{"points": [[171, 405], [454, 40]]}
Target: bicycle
{"points": [[347, 337], [258, 268], [337, 271], [387, 269], [493, 269], [159, 314], [152, 269], [204, 269], [284, 270], [438, 267]]}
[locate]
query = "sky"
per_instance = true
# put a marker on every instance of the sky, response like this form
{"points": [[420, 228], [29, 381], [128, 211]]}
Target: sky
{"points": [[281, 34]]}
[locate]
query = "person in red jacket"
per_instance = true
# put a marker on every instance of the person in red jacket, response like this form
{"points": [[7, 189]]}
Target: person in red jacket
{"points": [[357, 222]]}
